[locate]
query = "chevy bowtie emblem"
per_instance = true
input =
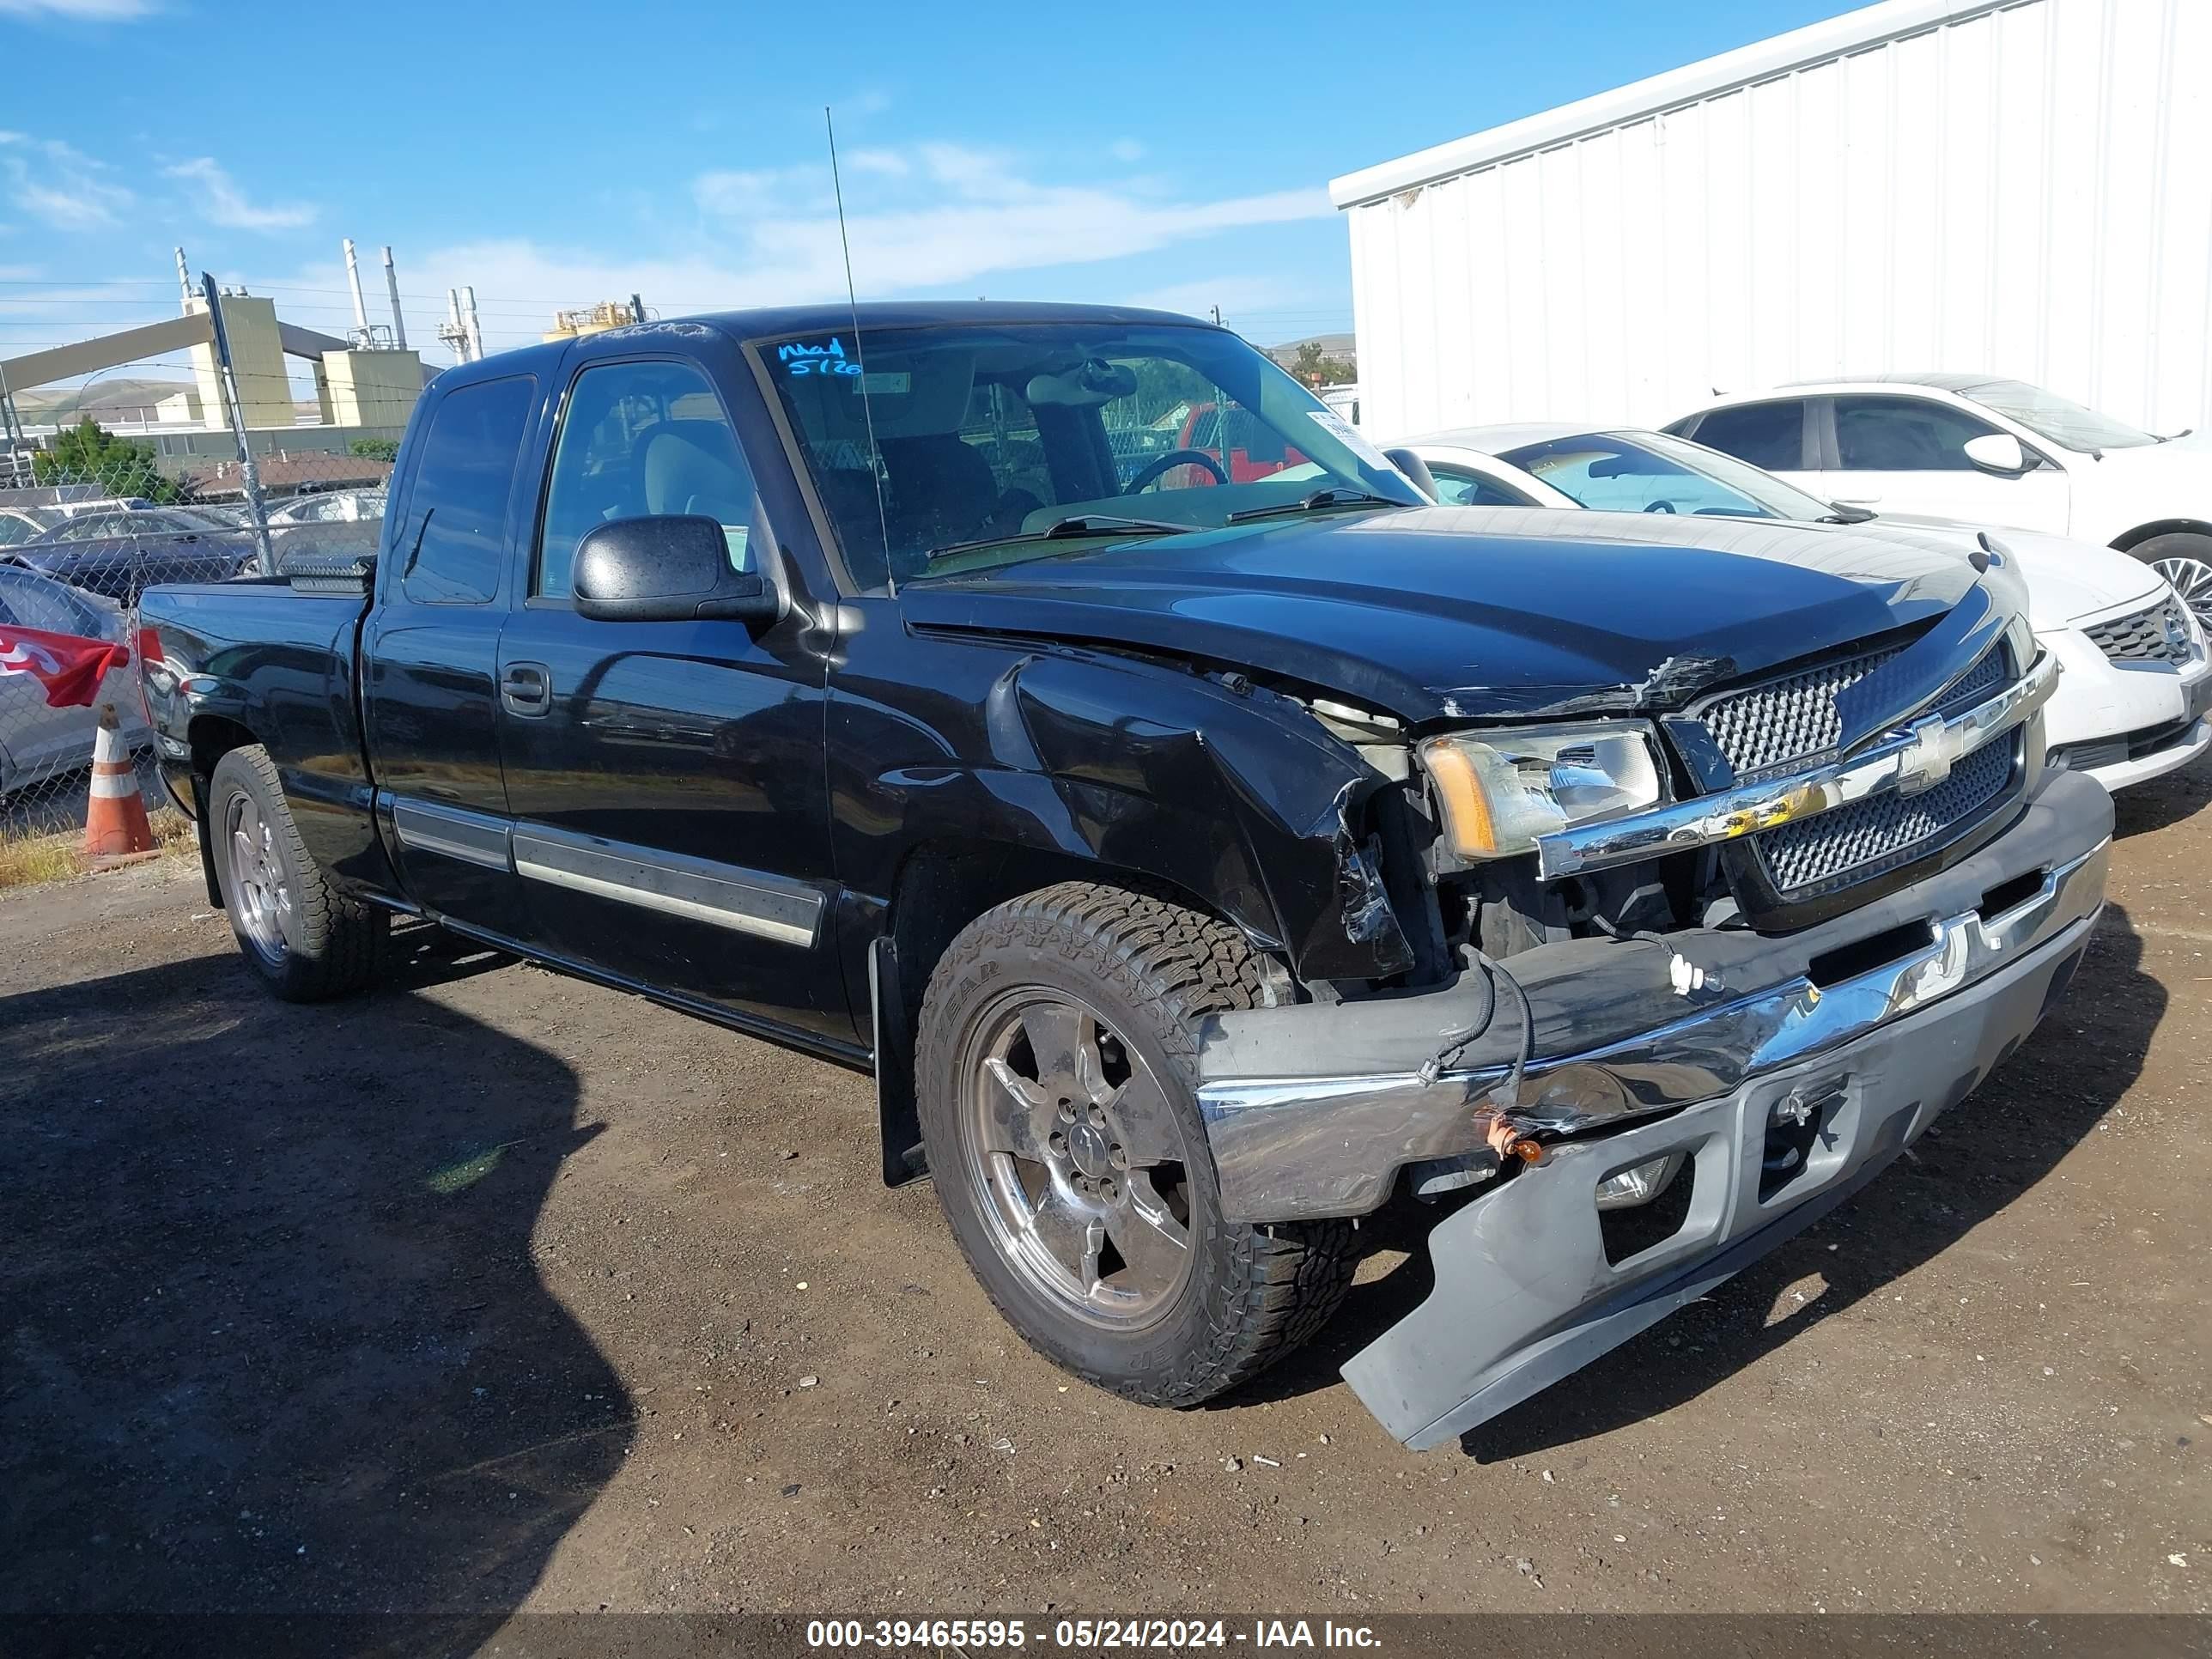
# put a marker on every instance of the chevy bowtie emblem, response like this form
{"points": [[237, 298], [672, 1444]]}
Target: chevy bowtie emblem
{"points": [[1926, 761]]}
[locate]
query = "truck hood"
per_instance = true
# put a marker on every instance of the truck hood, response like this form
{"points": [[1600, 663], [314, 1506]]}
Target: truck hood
{"points": [[1442, 613]]}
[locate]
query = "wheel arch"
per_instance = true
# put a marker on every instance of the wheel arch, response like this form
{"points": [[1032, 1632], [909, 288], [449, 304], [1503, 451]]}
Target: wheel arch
{"points": [[2128, 541], [944, 884], [210, 738]]}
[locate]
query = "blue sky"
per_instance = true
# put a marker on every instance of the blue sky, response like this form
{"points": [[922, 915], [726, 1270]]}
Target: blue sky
{"points": [[550, 155]]}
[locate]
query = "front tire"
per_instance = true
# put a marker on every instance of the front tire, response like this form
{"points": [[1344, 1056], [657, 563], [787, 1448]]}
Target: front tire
{"points": [[2185, 559], [306, 939], [1057, 1074]]}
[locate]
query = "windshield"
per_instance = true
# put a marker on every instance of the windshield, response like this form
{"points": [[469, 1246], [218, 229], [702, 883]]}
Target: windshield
{"points": [[1653, 472], [2059, 419], [969, 437]]}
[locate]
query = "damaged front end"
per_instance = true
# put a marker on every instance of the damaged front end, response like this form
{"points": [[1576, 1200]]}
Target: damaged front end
{"points": [[1671, 1036]]}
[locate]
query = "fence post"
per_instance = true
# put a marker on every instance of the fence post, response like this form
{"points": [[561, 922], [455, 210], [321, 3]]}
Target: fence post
{"points": [[248, 475]]}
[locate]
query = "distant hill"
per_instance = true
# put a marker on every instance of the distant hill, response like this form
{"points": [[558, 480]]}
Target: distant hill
{"points": [[1332, 345]]}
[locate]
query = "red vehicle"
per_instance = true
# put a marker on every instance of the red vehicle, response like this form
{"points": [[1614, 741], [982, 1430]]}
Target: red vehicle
{"points": [[1253, 448]]}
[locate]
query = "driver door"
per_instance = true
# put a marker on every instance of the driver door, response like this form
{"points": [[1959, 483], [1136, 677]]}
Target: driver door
{"points": [[671, 822]]}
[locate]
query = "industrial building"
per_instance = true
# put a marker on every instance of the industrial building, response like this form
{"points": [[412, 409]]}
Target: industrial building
{"points": [[2018, 187], [366, 384]]}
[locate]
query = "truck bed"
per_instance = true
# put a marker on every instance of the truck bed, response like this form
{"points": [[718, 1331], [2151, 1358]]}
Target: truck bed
{"points": [[283, 664]]}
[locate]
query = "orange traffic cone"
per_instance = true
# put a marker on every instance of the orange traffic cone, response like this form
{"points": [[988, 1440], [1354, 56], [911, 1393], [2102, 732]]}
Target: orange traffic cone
{"points": [[115, 827]]}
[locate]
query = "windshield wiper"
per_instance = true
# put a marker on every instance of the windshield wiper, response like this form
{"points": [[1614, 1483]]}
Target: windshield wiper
{"points": [[1085, 524], [1332, 495]]}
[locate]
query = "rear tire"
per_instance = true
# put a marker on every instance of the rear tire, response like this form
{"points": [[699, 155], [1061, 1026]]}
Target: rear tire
{"points": [[2184, 558], [1056, 1070], [308, 941]]}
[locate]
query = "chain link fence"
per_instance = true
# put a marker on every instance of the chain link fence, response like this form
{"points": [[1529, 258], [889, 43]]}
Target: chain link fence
{"points": [[90, 517]]}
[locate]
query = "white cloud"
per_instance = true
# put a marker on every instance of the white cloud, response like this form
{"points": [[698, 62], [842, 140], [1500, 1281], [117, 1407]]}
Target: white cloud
{"points": [[961, 213], [57, 184], [929, 217], [221, 202], [888, 162], [732, 192], [91, 11]]}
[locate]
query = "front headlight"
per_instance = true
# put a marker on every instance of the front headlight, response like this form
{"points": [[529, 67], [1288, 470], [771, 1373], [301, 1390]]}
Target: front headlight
{"points": [[1500, 791]]}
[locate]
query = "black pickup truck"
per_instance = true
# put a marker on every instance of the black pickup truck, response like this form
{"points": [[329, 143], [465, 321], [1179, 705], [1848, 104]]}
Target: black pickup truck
{"points": [[1197, 862]]}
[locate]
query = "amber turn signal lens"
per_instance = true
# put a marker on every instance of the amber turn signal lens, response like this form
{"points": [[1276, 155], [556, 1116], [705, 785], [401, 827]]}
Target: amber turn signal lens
{"points": [[1467, 813]]}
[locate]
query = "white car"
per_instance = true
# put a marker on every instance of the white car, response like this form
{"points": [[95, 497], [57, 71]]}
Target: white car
{"points": [[2136, 684], [1983, 451], [1344, 399], [38, 741]]}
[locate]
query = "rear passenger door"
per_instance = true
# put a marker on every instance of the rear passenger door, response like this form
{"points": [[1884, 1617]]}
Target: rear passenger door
{"points": [[666, 778], [430, 652]]}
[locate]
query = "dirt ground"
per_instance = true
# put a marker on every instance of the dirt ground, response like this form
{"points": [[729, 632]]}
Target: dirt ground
{"points": [[494, 1292]]}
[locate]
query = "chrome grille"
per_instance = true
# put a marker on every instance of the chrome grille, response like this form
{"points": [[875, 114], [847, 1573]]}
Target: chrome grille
{"points": [[1784, 721], [1791, 720], [2157, 633], [1869, 836]]}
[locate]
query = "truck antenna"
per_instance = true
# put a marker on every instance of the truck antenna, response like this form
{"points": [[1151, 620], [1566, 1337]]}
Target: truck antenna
{"points": [[860, 355]]}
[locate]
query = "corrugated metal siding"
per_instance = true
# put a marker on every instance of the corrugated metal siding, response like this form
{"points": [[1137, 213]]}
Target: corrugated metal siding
{"points": [[2027, 191]]}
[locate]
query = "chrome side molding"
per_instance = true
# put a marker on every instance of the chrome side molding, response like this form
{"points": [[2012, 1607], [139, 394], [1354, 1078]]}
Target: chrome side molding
{"points": [[1915, 759], [751, 901], [743, 901], [476, 838]]}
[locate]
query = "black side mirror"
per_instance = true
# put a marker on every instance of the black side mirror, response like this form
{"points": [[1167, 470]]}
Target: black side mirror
{"points": [[669, 568], [1415, 469]]}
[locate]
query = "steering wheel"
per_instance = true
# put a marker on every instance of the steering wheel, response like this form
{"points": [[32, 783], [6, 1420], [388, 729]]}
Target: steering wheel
{"points": [[1661, 505], [1175, 458]]}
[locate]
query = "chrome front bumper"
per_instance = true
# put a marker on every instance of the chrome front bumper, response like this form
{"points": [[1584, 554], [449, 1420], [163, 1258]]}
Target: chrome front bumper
{"points": [[1875, 1021], [1314, 1110]]}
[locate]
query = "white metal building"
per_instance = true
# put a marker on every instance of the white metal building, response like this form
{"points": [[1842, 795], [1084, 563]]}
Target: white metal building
{"points": [[2021, 186]]}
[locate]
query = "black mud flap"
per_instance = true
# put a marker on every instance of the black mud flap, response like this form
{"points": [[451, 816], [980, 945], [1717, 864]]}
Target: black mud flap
{"points": [[897, 1118]]}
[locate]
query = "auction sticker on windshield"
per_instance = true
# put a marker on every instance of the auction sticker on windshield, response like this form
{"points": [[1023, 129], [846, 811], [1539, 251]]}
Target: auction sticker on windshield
{"points": [[1348, 434]]}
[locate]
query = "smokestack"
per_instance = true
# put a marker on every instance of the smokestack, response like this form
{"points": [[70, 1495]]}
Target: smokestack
{"points": [[476, 329], [353, 281], [452, 331], [184, 282], [391, 286]]}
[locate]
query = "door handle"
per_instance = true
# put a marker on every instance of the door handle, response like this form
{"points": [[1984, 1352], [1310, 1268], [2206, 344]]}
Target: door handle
{"points": [[527, 689]]}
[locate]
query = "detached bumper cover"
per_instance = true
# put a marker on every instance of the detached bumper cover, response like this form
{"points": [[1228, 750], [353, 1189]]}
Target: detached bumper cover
{"points": [[1869, 1054]]}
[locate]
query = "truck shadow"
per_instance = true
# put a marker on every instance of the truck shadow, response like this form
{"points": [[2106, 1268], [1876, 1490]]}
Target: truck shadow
{"points": [[1977, 1159], [275, 1340]]}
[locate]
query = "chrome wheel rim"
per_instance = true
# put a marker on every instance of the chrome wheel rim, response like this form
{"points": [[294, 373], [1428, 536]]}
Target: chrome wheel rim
{"points": [[2192, 580], [261, 898], [1078, 1159]]}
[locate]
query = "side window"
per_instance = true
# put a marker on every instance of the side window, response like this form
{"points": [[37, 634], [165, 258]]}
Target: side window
{"points": [[457, 513], [1904, 435], [639, 439], [1457, 487], [1771, 435]]}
